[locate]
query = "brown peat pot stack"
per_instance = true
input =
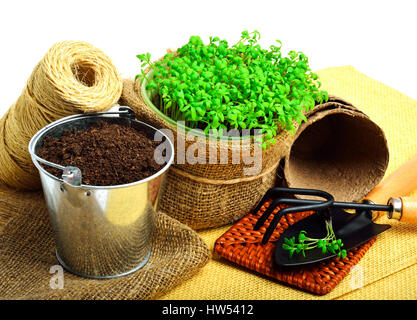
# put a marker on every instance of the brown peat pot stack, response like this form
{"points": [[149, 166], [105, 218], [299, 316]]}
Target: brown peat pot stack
{"points": [[339, 150]]}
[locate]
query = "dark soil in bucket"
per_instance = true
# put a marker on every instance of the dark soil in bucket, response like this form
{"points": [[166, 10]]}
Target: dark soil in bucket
{"points": [[106, 153]]}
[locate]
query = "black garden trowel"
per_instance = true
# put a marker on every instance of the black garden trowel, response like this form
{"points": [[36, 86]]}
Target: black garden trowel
{"points": [[337, 230]]}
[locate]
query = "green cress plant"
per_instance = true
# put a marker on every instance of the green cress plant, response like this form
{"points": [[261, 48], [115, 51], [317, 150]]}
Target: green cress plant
{"points": [[328, 244], [216, 87]]}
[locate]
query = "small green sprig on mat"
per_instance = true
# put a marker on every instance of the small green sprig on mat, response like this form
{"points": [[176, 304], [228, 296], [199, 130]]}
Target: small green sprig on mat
{"points": [[218, 87], [326, 244]]}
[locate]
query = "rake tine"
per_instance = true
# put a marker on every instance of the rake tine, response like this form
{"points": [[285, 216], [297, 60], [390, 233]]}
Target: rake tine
{"points": [[267, 213], [270, 230], [276, 191], [271, 209], [311, 207], [268, 195]]}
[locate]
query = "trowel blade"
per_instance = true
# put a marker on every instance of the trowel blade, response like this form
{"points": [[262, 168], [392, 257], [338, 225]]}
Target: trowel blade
{"points": [[353, 229]]}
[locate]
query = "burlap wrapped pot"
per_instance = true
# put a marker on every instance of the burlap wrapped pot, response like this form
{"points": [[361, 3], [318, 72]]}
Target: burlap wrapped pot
{"points": [[339, 150], [204, 194]]}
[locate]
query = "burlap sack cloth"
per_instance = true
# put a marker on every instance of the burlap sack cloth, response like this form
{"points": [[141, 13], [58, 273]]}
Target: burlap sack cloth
{"points": [[27, 253], [204, 195], [339, 150]]}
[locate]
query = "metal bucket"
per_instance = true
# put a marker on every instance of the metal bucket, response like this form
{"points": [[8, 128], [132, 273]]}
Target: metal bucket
{"points": [[100, 231]]}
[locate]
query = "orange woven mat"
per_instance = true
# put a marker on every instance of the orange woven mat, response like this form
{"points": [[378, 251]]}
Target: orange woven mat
{"points": [[242, 245]]}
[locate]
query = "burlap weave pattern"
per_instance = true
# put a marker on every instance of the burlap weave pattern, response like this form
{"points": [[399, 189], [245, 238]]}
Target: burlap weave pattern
{"points": [[226, 202], [27, 252]]}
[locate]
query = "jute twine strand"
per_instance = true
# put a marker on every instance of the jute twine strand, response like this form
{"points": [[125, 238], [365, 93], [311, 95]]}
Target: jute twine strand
{"points": [[73, 77]]}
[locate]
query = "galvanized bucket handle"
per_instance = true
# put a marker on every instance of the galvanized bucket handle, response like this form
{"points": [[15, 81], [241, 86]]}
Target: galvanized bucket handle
{"points": [[70, 174]]}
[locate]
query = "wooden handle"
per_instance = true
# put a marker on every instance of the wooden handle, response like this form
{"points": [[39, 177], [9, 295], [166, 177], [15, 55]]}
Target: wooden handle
{"points": [[409, 210], [401, 182]]}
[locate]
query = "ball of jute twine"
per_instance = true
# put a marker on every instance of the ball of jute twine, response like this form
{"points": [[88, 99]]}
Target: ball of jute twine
{"points": [[73, 77]]}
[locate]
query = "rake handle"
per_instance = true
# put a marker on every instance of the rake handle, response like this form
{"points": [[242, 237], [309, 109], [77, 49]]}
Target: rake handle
{"points": [[409, 212], [404, 209], [401, 182]]}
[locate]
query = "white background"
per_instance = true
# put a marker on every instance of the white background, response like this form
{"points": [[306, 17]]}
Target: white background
{"points": [[379, 38]]}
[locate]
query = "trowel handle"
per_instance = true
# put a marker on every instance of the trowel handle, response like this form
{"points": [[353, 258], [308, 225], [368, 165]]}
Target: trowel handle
{"points": [[404, 209], [401, 182]]}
